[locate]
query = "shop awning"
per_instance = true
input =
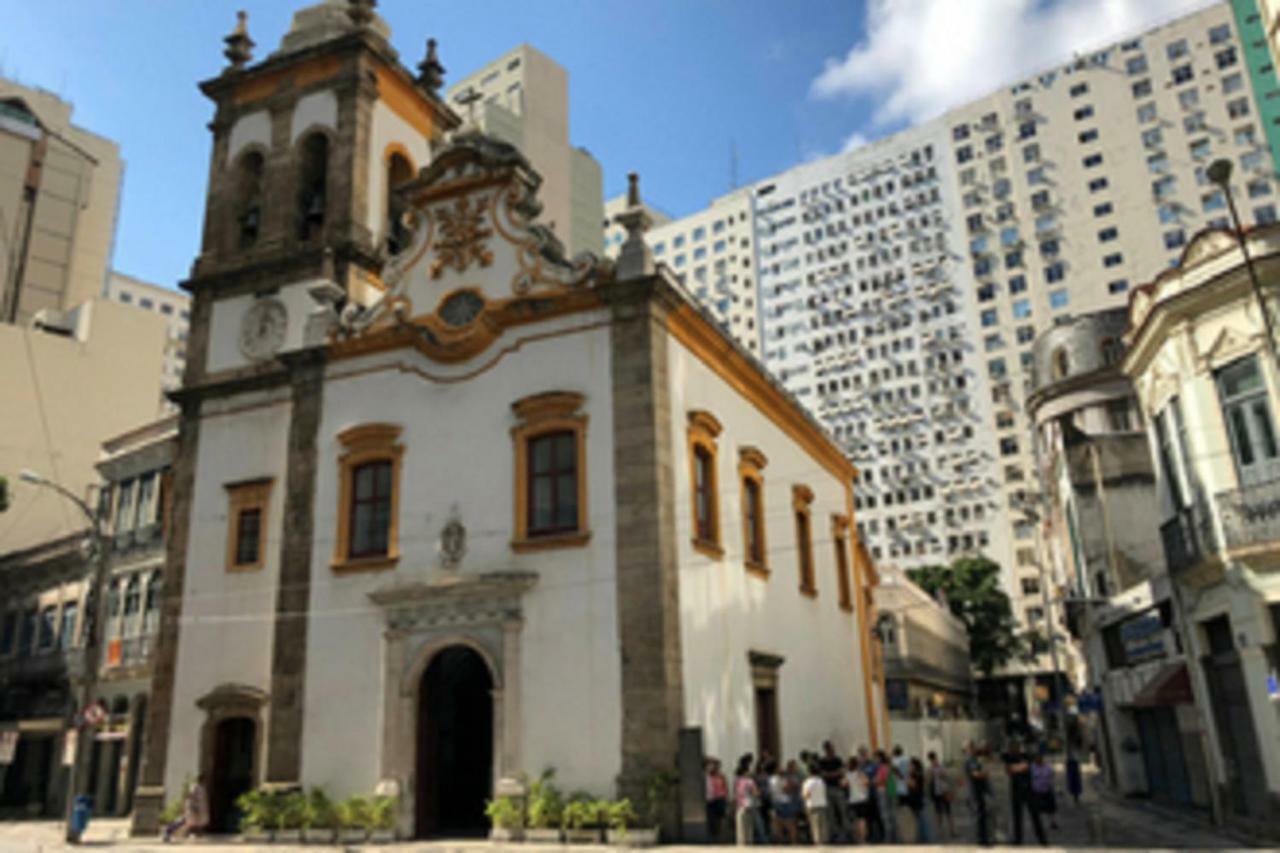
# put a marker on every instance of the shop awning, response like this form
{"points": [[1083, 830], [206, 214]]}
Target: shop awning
{"points": [[1170, 686]]}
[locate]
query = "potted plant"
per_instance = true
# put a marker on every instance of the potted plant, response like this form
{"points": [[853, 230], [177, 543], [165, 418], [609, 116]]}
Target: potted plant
{"points": [[505, 815], [291, 816], [353, 820], [583, 819], [622, 818], [320, 818], [383, 810], [258, 810], [546, 807]]}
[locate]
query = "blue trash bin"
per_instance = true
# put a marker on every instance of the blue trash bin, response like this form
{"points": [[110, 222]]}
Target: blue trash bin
{"points": [[81, 811]]}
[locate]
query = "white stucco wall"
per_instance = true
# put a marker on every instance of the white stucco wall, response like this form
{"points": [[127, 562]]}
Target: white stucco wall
{"points": [[227, 618], [458, 458], [319, 109], [385, 129], [253, 129], [727, 612], [227, 315]]}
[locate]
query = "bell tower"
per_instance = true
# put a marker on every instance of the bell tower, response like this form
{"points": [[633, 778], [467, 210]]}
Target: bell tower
{"points": [[308, 145]]}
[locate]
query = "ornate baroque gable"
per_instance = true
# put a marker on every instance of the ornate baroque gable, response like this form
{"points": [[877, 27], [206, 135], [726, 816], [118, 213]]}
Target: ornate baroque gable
{"points": [[478, 262]]}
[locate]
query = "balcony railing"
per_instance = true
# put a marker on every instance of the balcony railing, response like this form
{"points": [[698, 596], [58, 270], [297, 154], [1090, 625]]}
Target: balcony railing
{"points": [[1188, 538], [1251, 515]]}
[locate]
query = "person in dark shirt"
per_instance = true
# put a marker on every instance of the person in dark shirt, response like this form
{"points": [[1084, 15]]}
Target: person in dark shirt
{"points": [[831, 766], [1018, 765], [979, 791]]}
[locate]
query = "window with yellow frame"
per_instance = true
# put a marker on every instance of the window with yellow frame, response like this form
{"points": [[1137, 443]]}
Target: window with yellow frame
{"points": [[840, 536], [247, 503], [704, 483], [550, 443], [755, 554], [368, 498], [801, 501]]}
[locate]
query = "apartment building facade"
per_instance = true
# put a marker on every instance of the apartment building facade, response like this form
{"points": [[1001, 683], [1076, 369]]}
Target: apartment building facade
{"points": [[173, 305], [522, 97], [59, 192], [1044, 199]]}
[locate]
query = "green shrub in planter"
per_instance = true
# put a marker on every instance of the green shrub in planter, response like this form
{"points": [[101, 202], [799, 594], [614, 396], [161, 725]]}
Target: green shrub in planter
{"points": [[383, 810], [546, 804], [621, 815], [319, 812], [355, 813], [504, 813], [580, 814], [657, 793], [259, 810], [293, 810]]}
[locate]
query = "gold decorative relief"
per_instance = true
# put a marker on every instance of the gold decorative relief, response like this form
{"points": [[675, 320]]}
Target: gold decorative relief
{"points": [[462, 237]]}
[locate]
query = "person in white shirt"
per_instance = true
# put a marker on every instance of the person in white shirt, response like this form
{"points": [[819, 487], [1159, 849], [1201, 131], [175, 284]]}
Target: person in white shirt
{"points": [[814, 793], [859, 799]]}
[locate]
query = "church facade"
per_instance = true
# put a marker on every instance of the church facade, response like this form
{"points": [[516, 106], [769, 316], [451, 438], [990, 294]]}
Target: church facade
{"points": [[449, 506]]}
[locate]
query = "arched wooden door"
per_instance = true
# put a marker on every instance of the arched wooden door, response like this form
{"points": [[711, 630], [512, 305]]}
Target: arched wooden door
{"points": [[455, 744]]}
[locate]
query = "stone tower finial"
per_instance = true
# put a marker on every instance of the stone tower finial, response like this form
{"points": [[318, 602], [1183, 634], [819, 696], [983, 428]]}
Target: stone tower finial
{"points": [[430, 71], [361, 11], [239, 46], [635, 260]]}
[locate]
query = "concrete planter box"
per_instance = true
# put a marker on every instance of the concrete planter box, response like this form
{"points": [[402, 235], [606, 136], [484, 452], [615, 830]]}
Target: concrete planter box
{"points": [[506, 833], [583, 836], [257, 836], [635, 837], [318, 835], [287, 836], [352, 835], [382, 836], [542, 836]]}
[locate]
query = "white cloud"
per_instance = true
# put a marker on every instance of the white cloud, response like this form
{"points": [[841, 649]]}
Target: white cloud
{"points": [[919, 58], [854, 140]]}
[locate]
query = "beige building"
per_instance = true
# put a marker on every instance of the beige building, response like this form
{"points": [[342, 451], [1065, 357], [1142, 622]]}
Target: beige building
{"points": [[174, 306], [523, 98], [59, 192], [1207, 381], [67, 386]]}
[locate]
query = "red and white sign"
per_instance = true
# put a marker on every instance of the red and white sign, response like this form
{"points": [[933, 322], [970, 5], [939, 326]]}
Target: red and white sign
{"points": [[95, 714]]}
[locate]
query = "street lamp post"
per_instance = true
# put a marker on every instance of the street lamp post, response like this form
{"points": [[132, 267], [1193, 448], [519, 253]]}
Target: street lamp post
{"points": [[1219, 172], [89, 678]]}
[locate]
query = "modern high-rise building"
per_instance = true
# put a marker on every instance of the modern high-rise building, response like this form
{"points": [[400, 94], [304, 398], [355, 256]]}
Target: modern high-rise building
{"points": [[898, 287], [59, 190], [522, 97]]}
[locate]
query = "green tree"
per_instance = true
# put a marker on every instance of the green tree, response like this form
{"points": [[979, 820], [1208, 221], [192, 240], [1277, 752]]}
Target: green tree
{"points": [[971, 588]]}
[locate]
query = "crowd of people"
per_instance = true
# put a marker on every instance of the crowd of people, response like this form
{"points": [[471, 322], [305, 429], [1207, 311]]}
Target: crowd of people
{"points": [[874, 797]]}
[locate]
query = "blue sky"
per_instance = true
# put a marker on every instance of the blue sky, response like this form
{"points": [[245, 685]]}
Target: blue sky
{"points": [[663, 87]]}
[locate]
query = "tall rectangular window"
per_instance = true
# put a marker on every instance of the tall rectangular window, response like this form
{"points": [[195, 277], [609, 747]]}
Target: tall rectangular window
{"points": [[804, 551], [248, 533], [247, 524], [48, 627], [67, 636], [1246, 408], [704, 494], [124, 507], [553, 483], [370, 509], [27, 631], [753, 521], [840, 533], [1165, 437]]}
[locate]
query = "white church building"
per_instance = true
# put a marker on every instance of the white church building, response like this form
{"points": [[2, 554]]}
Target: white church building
{"points": [[449, 506]]}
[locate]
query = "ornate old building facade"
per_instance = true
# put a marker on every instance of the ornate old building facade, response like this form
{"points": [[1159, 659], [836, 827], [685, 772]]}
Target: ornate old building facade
{"points": [[450, 505]]}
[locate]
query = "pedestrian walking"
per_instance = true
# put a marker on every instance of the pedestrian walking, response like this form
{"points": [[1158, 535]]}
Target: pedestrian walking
{"points": [[859, 788], [764, 820], [784, 796], [940, 794], [194, 819], [814, 793], [747, 800], [1018, 765], [832, 768], [871, 770], [717, 793], [979, 783], [887, 793], [1042, 788], [915, 800], [1075, 784]]}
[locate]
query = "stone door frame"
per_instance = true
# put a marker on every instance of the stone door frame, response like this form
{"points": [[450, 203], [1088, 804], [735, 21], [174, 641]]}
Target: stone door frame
{"points": [[482, 613]]}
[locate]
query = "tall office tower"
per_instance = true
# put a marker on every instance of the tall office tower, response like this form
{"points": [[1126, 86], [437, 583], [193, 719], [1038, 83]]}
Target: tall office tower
{"points": [[59, 187], [522, 97], [865, 321], [174, 306], [1075, 184], [713, 253]]}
